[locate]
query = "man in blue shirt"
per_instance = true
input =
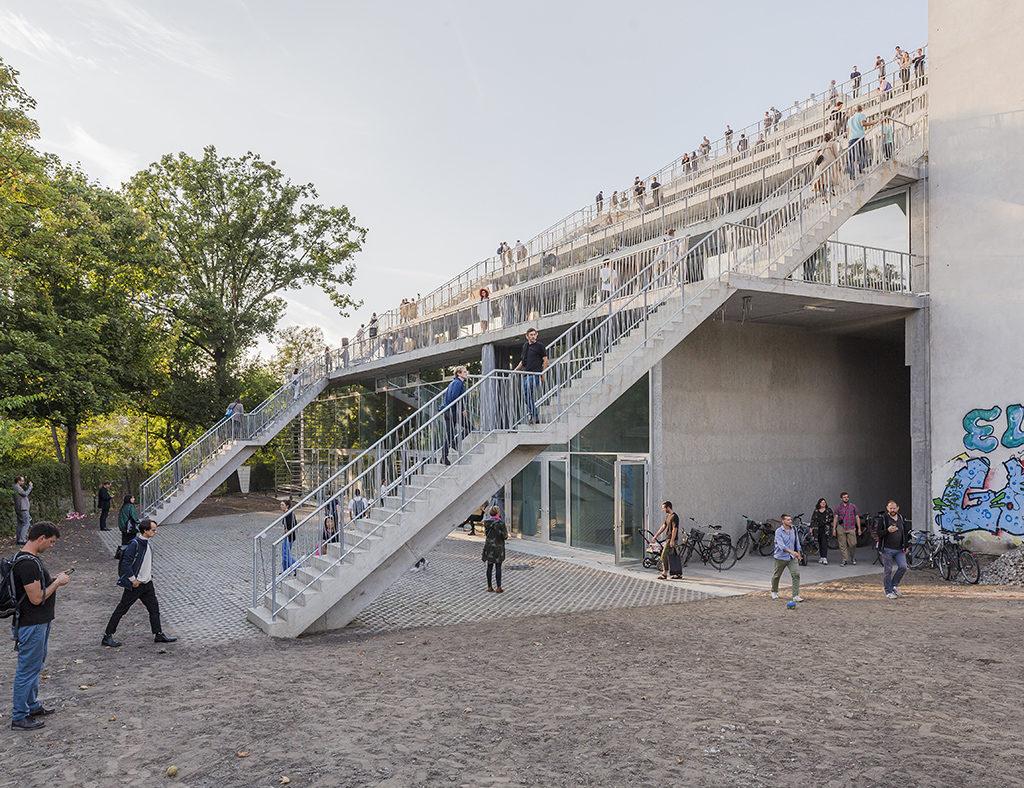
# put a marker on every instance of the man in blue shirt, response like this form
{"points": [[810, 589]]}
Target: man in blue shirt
{"points": [[787, 554], [454, 410], [857, 151]]}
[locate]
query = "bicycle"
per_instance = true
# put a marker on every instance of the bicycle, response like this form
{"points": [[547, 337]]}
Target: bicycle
{"points": [[719, 552], [757, 536], [944, 553]]}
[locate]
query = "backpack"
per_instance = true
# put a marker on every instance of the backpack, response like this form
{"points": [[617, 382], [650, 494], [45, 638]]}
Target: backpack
{"points": [[9, 599]]}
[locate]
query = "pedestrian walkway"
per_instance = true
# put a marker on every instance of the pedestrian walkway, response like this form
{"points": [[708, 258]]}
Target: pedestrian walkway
{"points": [[204, 590]]}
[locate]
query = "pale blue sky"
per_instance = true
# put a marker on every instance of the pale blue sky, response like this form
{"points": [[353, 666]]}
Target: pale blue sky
{"points": [[444, 126]]}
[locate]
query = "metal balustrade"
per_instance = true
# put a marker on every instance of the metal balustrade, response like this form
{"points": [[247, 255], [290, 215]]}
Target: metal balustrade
{"points": [[700, 186], [230, 431], [399, 468], [862, 267]]}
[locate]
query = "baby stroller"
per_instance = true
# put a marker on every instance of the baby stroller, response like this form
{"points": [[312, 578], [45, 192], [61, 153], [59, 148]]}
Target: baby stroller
{"points": [[652, 550]]}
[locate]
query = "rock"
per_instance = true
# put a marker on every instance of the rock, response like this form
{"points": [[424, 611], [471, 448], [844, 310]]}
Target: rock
{"points": [[1008, 569], [242, 754], [285, 779], [172, 771]]}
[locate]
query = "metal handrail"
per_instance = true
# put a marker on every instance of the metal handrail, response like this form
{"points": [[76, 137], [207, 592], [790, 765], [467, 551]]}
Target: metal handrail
{"points": [[504, 400], [723, 154]]}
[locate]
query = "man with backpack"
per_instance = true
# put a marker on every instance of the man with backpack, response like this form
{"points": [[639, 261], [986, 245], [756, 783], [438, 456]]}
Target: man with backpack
{"points": [[28, 592], [357, 506]]}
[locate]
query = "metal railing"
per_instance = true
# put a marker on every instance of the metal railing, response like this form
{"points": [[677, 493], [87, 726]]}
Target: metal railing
{"points": [[716, 182], [395, 471], [862, 267], [230, 430]]}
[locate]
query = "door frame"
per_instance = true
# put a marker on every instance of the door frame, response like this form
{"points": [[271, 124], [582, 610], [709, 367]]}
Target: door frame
{"points": [[629, 459], [545, 497]]}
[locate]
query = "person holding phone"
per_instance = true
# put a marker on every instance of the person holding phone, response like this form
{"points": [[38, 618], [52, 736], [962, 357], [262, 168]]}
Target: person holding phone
{"points": [[36, 592], [135, 576]]}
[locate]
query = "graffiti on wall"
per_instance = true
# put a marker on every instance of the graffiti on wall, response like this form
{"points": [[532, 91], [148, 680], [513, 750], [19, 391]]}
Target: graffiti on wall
{"points": [[977, 496]]}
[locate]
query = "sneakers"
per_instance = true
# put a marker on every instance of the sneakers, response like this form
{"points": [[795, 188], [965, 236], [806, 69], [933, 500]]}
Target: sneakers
{"points": [[891, 595], [798, 598], [854, 562], [896, 591], [845, 563], [824, 561], [775, 594]]}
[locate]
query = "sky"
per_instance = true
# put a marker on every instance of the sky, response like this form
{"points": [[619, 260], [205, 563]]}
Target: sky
{"points": [[445, 126]]}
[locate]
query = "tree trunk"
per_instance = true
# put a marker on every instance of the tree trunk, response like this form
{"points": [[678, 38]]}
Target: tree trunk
{"points": [[56, 443], [220, 371], [75, 467]]}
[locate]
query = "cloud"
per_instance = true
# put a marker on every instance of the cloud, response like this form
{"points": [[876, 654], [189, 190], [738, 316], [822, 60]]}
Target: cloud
{"points": [[17, 33], [110, 165], [141, 32]]}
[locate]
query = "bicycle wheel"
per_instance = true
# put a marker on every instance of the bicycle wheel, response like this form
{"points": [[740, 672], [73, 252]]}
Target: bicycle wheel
{"points": [[687, 553], [945, 562], [765, 546], [970, 569], [742, 545], [918, 556], [722, 556]]}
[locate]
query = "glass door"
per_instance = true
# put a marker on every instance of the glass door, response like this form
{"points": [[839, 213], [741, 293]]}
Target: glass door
{"points": [[630, 509], [526, 501], [555, 507]]}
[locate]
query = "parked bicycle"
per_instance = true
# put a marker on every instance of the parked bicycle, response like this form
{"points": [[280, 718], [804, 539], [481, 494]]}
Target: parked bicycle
{"points": [[718, 551], [757, 536], [946, 554]]}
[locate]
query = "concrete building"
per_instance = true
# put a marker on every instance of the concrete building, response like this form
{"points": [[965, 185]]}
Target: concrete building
{"points": [[784, 323]]}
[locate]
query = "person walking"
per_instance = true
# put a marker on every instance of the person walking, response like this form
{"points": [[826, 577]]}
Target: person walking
{"points": [[857, 153], [22, 489], [656, 191], [822, 179], [135, 576], [743, 144], [670, 530], [453, 408], [855, 81], [821, 521], [477, 516], [533, 359], [893, 543], [787, 556], [358, 506], [615, 200], [287, 546], [35, 593], [846, 528], [638, 192], [599, 201], [495, 535], [295, 379], [103, 498], [127, 521], [880, 67], [236, 412]]}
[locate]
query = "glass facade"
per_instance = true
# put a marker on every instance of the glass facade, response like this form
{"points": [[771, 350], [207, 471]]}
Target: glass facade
{"points": [[587, 516], [883, 224]]}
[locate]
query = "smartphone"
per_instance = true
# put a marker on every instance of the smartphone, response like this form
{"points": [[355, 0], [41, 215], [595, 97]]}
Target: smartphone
{"points": [[70, 571]]}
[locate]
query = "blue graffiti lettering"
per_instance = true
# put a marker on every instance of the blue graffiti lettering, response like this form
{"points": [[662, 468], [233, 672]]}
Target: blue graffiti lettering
{"points": [[977, 436], [1014, 436]]}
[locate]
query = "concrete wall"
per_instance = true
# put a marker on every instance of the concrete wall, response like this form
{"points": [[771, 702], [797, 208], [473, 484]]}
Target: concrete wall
{"points": [[761, 419], [976, 277]]}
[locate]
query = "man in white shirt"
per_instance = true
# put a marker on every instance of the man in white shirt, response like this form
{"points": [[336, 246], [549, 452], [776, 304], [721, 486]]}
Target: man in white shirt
{"points": [[520, 251], [135, 576], [609, 280]]}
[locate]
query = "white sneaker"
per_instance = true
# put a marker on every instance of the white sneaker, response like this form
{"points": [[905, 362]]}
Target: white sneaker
{"points": [[775, 594], [896, 591], [891, 595], [821, 560], [798, 598], [824, 561]]}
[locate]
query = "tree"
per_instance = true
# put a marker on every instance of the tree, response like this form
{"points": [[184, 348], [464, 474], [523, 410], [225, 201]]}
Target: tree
{"points": [[71, 325], [236, 234], [296, 345]]}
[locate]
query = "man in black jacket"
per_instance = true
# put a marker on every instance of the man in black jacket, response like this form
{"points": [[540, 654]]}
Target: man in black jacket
{"points": [[103, 498], [135, 576], [893, 542]]}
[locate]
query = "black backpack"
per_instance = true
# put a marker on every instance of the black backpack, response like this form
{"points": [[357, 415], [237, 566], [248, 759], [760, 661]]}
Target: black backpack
{"points": [[9, 599]]}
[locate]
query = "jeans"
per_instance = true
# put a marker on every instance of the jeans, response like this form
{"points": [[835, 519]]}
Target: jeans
{"points": [[530, 382], [890, 579], [24, 522], [496, 568], [32, 643], [146, 594], [794, 574]]}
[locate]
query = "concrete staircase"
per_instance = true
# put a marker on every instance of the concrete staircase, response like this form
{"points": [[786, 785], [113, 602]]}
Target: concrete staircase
{"points": [[594, 362]]}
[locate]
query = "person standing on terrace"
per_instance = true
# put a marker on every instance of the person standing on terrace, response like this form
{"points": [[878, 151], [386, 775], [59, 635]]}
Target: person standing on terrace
{"points": [[728, 138], [880, 67], [599, 201], [918, 62], [520, 251], [638, 193], [855, 81], [533, 359], [483, 308]]}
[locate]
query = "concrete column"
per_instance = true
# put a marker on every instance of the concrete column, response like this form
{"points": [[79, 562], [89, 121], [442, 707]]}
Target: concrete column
{"points": [[916, 339], [489, 395], [658, 430], [975, 215], [919, 235]]}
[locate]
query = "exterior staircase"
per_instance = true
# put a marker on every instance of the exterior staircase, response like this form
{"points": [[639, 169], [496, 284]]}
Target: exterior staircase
{"points": [[325, 578], [170, 495]]}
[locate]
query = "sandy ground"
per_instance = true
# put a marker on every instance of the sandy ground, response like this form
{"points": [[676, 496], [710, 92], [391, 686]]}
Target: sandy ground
{"points": [[850, 689]]}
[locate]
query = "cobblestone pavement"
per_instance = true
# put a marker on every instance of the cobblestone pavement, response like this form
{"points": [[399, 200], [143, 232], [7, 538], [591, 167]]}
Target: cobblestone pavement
{"points": [[202, 577]]}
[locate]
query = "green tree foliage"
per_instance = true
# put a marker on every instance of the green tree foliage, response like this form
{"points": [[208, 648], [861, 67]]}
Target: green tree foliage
{"points": [[294, 346], [236, 234]]}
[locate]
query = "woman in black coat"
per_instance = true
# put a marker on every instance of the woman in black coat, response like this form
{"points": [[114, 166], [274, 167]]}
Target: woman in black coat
{"points": [[495, 534]]}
